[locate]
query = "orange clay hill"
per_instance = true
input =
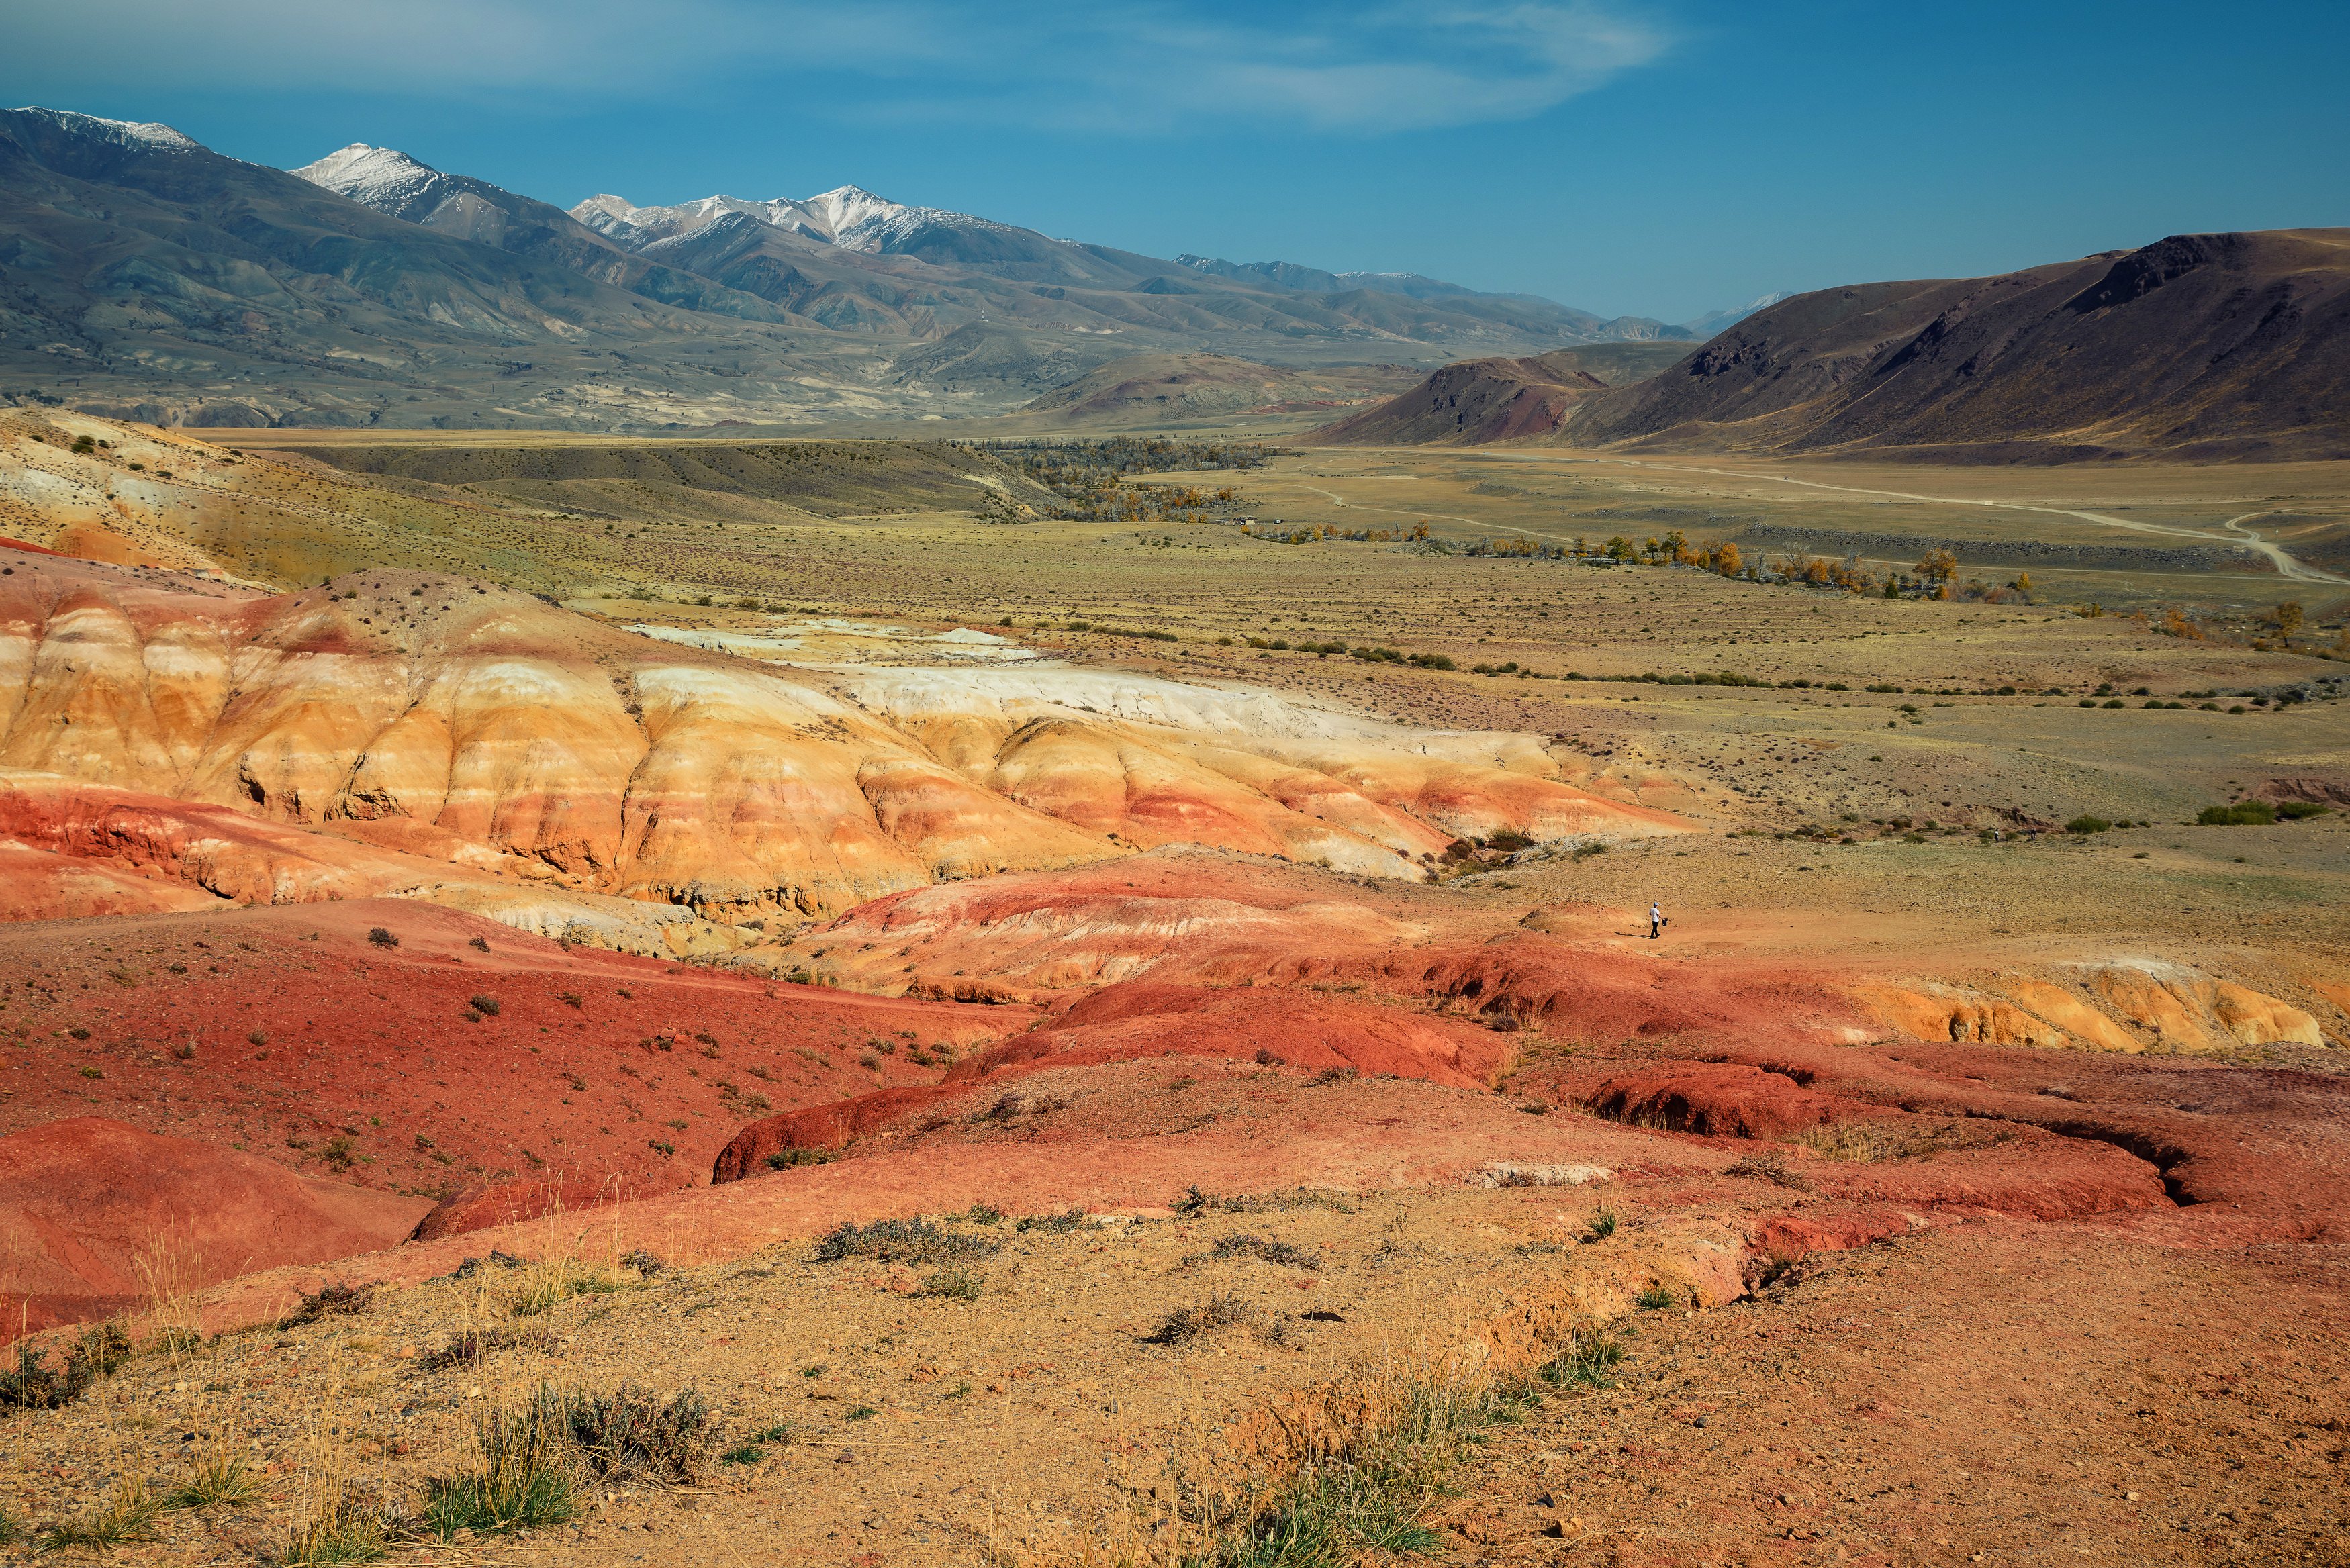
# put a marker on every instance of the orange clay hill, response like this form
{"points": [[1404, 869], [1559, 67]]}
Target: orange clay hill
{"points": [[1149, 1066]]}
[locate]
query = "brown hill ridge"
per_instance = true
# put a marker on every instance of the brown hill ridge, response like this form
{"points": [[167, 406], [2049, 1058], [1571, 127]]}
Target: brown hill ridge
{"points": [[1155, 388], [1481, 400], [2202, 348]]}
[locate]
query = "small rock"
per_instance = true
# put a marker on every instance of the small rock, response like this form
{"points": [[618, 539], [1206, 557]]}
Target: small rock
{"points": [[847, 1456]]}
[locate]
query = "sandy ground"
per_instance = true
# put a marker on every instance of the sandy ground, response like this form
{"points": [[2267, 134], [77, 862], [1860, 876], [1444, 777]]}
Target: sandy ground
{"points": [[1990, 1391], [1975, 1394], [1978, 1392]]}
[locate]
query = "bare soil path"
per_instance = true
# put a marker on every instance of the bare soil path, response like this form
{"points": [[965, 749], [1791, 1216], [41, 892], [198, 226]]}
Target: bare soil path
{"points": [[1979, 1393]]}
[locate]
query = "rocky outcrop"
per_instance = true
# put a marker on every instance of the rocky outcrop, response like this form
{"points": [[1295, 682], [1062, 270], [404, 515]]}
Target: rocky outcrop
{"points": [[2189, 1011], [2176, 1008], [338, 742]]}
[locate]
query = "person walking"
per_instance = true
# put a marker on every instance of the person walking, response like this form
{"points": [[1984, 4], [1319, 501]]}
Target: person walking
{"points": [[1655, 920]]}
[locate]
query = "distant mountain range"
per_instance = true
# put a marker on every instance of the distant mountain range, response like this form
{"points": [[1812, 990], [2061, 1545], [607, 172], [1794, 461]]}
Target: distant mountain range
{"points": [[153, 279], [2221, 347]]}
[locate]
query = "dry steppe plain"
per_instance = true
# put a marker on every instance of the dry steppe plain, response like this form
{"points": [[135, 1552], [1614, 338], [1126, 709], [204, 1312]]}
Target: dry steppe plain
{"points": [[2116, 1336]]}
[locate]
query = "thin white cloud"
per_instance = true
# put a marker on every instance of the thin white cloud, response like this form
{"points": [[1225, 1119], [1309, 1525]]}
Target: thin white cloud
{"points": [[1151, 67]]}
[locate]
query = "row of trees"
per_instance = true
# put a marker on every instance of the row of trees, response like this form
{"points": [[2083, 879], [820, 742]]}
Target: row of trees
{"points": [[2272, 631], [1935, 576], [1314, 533], [1090, 476]]}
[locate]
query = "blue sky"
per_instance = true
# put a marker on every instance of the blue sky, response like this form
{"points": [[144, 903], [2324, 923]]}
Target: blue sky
{"points": [[1652, 158]]}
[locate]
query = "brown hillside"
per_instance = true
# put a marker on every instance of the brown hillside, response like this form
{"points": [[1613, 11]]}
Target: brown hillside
{"points": [[1155, 388], [1481, 400], [2206, 347], [2203, 347]]}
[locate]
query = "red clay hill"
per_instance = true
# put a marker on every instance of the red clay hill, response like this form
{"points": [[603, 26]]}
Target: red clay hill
{"points": [[1224, 1021], [103, 1218]]}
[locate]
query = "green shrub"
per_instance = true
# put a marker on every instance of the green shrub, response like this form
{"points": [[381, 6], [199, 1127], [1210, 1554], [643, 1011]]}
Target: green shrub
{"points": [[2244, 814], [957, 1284], [903, 1242], [2086, 823], [2298, 810], [36, 1385], [1655, 1296], [632, 1435]]}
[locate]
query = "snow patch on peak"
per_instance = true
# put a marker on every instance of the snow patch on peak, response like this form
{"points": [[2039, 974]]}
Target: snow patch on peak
{"points": [[850, 205], [849, 216], [360, 163], [618, 207], [383, 178], [146, 131], [1715, 321]]}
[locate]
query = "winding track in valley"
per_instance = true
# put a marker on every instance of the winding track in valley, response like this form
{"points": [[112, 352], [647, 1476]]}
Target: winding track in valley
{"points": [[2291, 569]]}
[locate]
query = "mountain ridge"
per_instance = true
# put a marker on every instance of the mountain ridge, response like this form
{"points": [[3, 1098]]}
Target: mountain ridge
{"points": [[2214, 346], [2203, 348], [371, 289]]}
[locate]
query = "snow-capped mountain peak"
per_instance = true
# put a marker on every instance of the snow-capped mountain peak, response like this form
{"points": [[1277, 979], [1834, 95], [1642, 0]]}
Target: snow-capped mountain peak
{"points": [[379, 177], [1715, 321], [120, 130], [849, 216]]}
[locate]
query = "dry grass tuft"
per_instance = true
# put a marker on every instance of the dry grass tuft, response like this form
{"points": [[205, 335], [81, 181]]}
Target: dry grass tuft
{"points": [[329, 1301], [215, 1480], [1186, 1325], [1875, 1139], [1265, 1249], [558, 1279], [1768, 1165], [125, 1519]]}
